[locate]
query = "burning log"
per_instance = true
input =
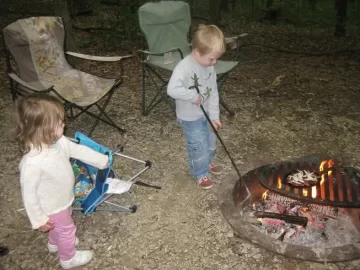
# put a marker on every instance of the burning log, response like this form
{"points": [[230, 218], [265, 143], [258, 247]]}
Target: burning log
{"points": [[290, 219], [305, 211]]}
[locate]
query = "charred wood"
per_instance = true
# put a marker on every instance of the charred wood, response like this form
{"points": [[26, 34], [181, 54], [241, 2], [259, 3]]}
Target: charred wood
{"points": [[290, 219]]}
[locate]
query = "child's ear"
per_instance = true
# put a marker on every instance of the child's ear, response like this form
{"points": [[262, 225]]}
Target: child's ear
{"points": [[197, 52]]}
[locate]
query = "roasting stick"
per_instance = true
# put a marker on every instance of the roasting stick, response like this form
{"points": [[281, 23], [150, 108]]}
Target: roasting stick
{"points": [[196, 86]]}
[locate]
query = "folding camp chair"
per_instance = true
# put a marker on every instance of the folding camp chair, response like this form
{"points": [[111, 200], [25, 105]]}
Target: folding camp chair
{"points": [[36, 45], [166, 26], [94, 188]]}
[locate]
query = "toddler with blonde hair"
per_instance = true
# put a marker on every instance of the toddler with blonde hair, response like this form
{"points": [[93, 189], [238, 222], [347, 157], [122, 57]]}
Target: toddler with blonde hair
{"points": [[208, 44], [46, 176]]}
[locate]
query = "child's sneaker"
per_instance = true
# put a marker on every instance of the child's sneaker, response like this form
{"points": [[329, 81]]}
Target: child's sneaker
{"points": [[81, 257], [3, 250], [205, 182], [214, 169], [53, 248]]}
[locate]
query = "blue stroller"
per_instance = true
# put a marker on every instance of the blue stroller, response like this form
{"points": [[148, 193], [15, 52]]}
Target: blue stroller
{"points": [[94, 187]]}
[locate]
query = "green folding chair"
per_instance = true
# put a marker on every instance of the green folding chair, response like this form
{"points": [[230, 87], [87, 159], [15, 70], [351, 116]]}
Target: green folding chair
{"points": [[166, 25]]}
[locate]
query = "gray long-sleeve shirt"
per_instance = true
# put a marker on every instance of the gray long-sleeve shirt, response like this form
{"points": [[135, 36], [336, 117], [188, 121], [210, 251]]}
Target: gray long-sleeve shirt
{"points": [[178, 88]]}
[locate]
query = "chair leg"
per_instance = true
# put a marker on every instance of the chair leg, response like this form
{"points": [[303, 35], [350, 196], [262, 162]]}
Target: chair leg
{"points": [[143, 88], [221, 81], [13, 90], [159, 95], [98, 117], [226, 107], [103, 113]]}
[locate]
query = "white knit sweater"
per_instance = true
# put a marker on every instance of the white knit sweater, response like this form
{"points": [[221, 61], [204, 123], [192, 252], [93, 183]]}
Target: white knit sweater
{"points": [[47, 179]]}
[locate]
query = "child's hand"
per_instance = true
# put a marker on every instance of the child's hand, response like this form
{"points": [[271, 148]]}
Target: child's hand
{"points": [[198, 101], [47, 227], [216, 124]]}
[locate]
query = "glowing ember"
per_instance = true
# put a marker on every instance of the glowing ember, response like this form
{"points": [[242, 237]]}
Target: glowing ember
{"points": [[326, 226], [265, 195], [313, 192]]}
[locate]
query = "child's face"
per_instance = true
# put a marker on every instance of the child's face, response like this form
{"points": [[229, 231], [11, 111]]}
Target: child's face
{"points": [[208, 59], [60, 129]]}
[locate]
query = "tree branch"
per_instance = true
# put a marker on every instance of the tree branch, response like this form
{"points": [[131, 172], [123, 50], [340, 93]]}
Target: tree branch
{"points": [[349, 49], [90, 28], [111, 2]]}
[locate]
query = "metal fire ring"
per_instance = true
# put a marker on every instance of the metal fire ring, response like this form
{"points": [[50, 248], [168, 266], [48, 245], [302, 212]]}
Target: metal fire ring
{"points": [[244, 229]]}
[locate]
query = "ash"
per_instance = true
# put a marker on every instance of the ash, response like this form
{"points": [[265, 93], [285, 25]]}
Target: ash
{"points": [[327, 227]]}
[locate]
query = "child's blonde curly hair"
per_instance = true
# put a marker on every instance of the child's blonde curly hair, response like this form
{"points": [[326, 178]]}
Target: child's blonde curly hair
{"points": [[37, 118], [208, 38]]}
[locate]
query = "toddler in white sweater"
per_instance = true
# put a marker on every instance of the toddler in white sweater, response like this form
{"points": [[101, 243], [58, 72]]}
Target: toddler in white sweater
{"points": [[46, 176]]}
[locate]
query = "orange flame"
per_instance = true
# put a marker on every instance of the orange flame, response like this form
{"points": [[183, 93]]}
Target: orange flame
{"points": [[279, 183], [330, 164], [265, 195], [322, 164]]}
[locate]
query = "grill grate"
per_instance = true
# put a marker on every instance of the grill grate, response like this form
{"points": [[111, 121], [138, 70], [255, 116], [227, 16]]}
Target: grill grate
{"points": [[340, 188]]}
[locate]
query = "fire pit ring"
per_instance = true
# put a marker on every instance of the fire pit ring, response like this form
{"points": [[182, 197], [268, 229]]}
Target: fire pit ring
{"points": [[244, 229]]}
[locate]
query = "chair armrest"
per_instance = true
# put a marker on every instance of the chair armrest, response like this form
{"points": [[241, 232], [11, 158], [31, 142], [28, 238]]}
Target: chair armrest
{"points": [[233, 42], [160, 53], [18, 80], [98, 58], [229, 39]]}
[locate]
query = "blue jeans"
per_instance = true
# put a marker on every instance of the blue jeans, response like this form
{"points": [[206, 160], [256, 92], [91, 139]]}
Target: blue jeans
{"points": [[200, 145]]}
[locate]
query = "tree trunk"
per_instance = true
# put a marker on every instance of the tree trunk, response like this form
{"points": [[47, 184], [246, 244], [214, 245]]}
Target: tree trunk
{"points": [[4, 7], [312, 4], [61, 9], [71, 8], [272, 11], [270, 4], [214, 11], [341, 12], [191, 5], [224, 5], [233, 4]]}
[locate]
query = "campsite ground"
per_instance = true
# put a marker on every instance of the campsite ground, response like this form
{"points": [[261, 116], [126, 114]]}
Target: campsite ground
{"points": [[287, 106]]}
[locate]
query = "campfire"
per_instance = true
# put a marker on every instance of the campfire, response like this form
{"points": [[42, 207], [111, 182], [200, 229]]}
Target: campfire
{"points": [[329, 184], [306, 208], [297, 222]]}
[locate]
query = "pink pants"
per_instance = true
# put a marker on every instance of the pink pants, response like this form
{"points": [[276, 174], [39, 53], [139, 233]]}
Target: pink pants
{"points": [[63, 234]]}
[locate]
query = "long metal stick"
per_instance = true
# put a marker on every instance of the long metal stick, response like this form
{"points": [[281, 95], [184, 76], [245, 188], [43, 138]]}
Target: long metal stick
{"points": [[196, 86]]}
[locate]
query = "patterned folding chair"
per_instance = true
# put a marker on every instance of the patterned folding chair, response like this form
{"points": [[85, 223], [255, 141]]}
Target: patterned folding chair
{"points": [[36, 45], [166, 25]]}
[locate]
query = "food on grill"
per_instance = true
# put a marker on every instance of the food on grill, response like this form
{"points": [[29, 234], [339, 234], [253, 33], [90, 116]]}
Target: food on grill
{"points": [[302, 178]]}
